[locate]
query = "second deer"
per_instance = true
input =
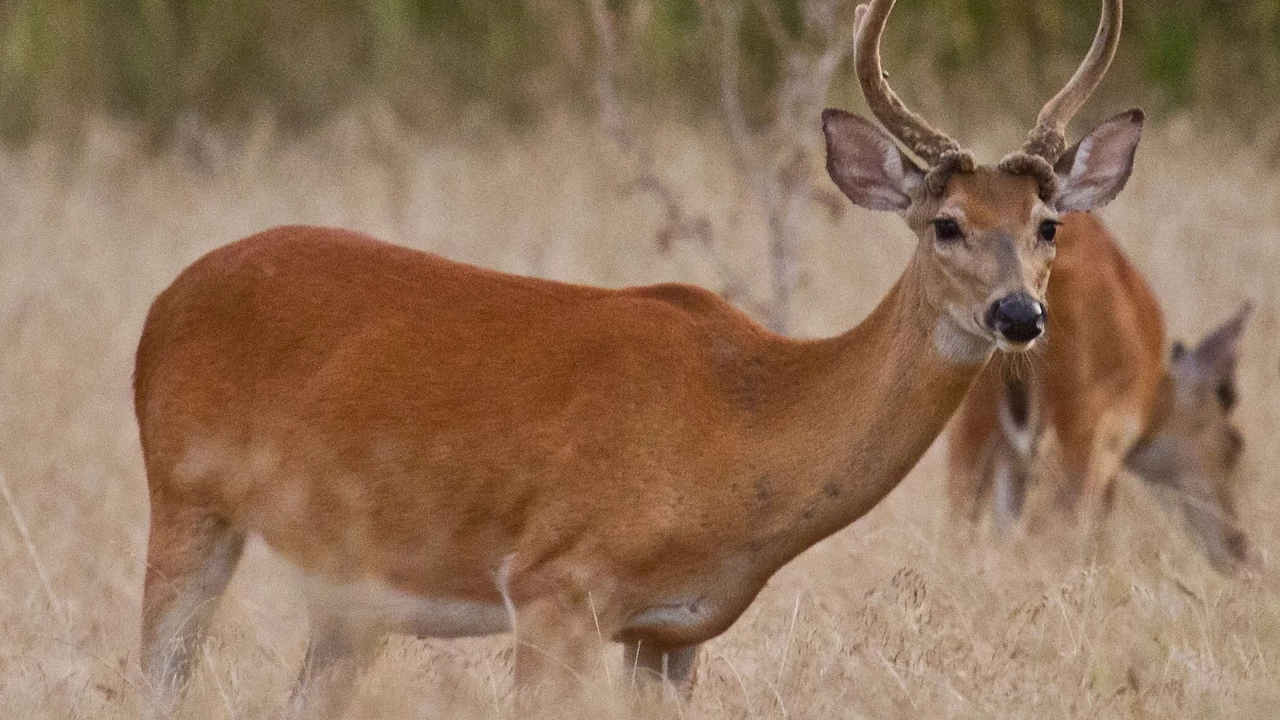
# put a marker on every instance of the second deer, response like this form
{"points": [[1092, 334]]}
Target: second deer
{"points": [[1102, 387]]}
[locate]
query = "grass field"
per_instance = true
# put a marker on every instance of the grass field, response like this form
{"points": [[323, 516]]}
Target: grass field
{"points": [[895, 617]]}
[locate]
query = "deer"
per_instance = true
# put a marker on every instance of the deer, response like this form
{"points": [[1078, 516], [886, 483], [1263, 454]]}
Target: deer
{"points": [[442, 450], [1101, 386]]}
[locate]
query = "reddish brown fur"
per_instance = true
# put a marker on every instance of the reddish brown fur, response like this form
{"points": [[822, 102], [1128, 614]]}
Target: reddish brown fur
{"points": [[632, 464], [376, 412]]}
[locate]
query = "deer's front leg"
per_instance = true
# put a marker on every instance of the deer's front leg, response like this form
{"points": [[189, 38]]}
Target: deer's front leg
{"points": [[673, 666], [556, 642]]}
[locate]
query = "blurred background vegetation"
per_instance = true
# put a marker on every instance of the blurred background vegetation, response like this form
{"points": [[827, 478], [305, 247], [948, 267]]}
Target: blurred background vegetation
{"points": [[437, 63]]}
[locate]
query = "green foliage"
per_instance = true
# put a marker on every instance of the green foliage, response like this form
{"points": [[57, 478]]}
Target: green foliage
{"points": [[1170, 56], [225, 59]]}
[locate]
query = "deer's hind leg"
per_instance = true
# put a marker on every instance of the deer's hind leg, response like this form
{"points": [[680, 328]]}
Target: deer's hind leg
{"points": [[191, 556], [336, 651]]}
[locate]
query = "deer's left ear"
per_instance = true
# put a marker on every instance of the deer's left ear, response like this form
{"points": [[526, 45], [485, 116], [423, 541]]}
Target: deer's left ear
{"points": [[1094, 170], [1217, 353]]}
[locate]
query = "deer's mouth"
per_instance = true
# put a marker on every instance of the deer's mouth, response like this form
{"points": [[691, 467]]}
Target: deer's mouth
{"points": [[1013, 346]]}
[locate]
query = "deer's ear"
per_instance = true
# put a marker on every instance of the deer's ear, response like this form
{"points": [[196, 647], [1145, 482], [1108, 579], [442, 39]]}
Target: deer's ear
{"points": [[1093, 171], [866, 164], [1217, 352], [1212, 363]]}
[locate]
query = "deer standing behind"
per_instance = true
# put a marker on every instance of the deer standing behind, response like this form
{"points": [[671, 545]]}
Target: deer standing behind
{"points": [[447, 451], [1100, 385]]}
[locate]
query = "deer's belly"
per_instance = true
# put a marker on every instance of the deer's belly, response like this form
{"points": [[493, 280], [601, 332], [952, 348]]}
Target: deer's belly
{"points": [[373, 603]]}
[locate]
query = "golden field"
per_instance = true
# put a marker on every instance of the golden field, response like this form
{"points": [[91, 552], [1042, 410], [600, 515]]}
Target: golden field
{"points": [[898, 616]]}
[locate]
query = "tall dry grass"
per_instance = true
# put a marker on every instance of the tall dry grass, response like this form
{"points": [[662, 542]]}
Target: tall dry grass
{"points": [[896, 616]]}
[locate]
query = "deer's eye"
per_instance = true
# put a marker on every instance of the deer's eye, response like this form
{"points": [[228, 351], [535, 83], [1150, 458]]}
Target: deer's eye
{"points": [[947, 230], [1048, 230], [1226, 392]]}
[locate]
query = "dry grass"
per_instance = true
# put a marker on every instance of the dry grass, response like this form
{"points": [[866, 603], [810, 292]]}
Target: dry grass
{"points": [[893, 617]]}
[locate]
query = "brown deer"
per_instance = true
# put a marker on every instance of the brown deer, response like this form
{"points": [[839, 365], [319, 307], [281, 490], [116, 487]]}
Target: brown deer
{"points": [[1100, 384], [446, 451]]}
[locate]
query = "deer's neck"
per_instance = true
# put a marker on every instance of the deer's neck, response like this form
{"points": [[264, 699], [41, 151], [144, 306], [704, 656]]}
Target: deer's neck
{"points": [[859, 411]]}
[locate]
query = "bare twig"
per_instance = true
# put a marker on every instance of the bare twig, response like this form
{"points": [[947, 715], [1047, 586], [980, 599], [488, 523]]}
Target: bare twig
{"points": [[791, 631], [735, 117], [41, 573], [775, 161], [217, 683], [680, 224], [749, 157], [768, 11], [604, 655]]}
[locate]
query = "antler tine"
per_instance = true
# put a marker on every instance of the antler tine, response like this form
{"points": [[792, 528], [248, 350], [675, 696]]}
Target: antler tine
{"points": [[1049, 137], [910, 128]]}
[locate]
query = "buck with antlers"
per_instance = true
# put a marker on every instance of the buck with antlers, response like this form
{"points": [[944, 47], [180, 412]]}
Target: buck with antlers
{"points": [[1101, 387], [446, 451]]}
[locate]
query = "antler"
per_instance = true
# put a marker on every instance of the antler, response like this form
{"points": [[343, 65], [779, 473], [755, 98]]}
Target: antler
{"points": [[914, 132], [1049, 137]]}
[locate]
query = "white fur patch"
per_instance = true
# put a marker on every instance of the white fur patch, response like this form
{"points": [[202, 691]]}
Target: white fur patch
{"points": [[503, 580], [958, 345], [1022, 438], [373, 603], [682, 613]]}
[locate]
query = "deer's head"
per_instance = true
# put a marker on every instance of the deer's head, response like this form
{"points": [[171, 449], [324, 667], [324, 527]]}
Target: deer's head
{"points": [[985, 232], [1195, 447]]}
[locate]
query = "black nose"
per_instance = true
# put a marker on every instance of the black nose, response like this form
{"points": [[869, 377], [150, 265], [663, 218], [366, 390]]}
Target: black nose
{"points": [[1018, 317]]}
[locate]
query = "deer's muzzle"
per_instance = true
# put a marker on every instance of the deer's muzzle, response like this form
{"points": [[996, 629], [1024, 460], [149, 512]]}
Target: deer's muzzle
{"points": [[1017, 318]]}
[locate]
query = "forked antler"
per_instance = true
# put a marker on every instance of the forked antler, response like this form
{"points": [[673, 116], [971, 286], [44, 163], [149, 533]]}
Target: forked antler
{"points": [[1048, 139], [1045, 143], [918, 135]]}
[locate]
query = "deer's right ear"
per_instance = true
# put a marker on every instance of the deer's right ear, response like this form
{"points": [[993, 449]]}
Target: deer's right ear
{"points": [[866, 164], [1093, 171]]}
